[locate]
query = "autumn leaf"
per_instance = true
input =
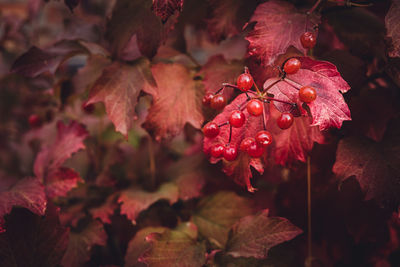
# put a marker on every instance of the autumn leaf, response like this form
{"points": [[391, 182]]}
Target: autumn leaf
{"points": [[57, 180], [105, 210], [175, 248], [278, 25], [329, 108], [240, 168], [135, 200], [118, 88], [217, 213], [254, 235], [81, 243], [27, 193], [392, 22], [165, 8], [176, 101]]}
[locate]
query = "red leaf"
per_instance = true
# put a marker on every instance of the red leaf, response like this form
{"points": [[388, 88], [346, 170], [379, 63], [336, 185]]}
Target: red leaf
{"points": [[118, 88], [165, 8], [36, 61], [329, 109], [47, 167], [134, 200], [80, 244], [392, 22], [176, 101], [278, 25], [270, 231], [27, 193], [104, 211], [240, 168]]}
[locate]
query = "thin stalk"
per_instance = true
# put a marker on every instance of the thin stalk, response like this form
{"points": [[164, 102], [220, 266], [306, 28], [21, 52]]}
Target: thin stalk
{"points": [[264, 118], [258, 91], [223, 124], [278, 100], [230, 134], [294, 84], [230, 85], [314, 7], [272, 84]]}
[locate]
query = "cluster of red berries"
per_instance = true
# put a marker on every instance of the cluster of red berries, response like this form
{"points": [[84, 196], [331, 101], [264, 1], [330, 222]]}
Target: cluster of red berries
{"points": [[253, 146]]}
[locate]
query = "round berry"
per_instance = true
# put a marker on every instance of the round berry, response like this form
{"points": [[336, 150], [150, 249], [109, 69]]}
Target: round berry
{"points": [[211, 130], [308, 40], [218, 102], [87, 108], [264, 138], [245, 82], [285, 120], [307, 94], [35, 121], [292, 66], [255, 150], [255, 107], [207, 99], [230, 153], [244, 145], [217, 150], [237, 119]]}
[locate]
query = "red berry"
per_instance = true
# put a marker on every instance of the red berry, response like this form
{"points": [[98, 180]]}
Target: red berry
{"points": [[245, 82], [264, 138], [230, 153], [35, 121], [255, 107], [244, 145], [308, 40], [307, 94], [237, 119], [217, 150], [88, 108], [285, 120], [211, 130], [255, 150], [207, 99], [292, 66], [218, 102]]}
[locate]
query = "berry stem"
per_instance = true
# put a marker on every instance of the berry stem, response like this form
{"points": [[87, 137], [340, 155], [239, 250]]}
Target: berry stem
{"points": [[230, 85], [294, 84], [350, 4], [267, 100], [230, 134], [246, 70], [223, 124], [313, 8], [272, 84], [264, 117], [219, 90], [258, 91]]}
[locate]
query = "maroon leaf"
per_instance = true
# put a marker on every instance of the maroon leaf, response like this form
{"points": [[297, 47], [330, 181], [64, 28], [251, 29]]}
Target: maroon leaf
{"points": [[134, 200], [80, 244], [104, 211], [176, 101], [36, 61], [175, 247], [118, 88], [138, 245], [329, 109], [240, 168], [253, 236], [216, 214], [58, 181], [71, 4], [32, 240], [278, 25], [27, 193], [392, 22], [165, 8]]}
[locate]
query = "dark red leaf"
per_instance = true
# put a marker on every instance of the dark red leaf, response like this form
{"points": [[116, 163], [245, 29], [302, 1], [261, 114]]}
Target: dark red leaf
{"points": [[71, 4], [165, 8], [60, 182], [118, 88], [176, 101], [81, 243], [27, 193], [392, 22], [105, 211], [329, 109], [278, 25], [254, 235]]}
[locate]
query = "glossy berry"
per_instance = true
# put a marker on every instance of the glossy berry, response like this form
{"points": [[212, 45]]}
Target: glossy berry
{"points": [[35, 121], [218, 102], [292, 66], [307, 94], [264, 138], [285, 120], [207, 99], [245, 82], [237, 119], [308, 40], [245, 144], [255, 107], [217, 150], [255, 150], [230, 153], [87, 108], [211, 130]]}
